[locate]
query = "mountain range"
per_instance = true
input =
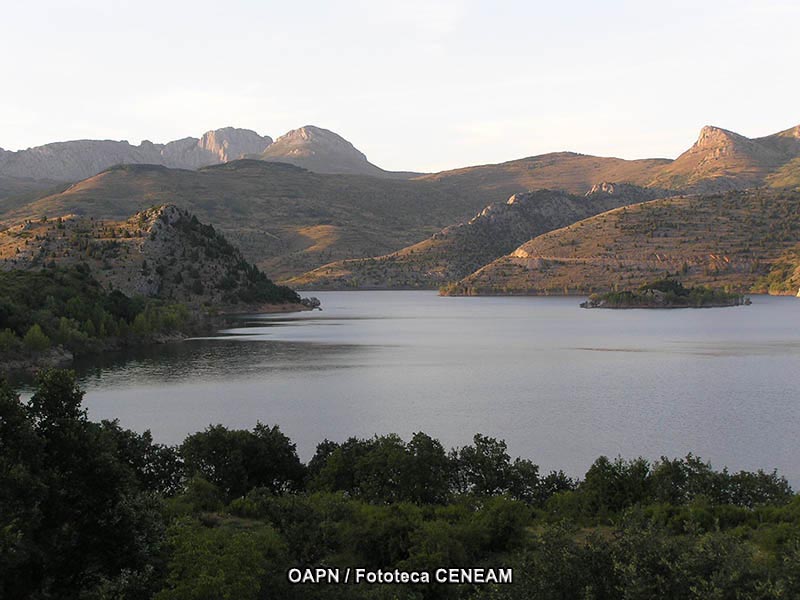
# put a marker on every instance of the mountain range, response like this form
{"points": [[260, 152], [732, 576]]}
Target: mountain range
{"points": [[327, 217]]}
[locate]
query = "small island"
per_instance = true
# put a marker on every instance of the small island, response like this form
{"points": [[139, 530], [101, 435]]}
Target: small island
{"points": [[666, 293]]}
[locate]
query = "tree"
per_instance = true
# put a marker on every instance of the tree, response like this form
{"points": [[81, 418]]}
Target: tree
{"points": [[220, 563], [484, 468], [35, 339], [237, 461], [88, 525]]}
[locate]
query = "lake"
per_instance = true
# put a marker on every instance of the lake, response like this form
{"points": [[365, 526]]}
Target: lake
{"points": [[562, 385]]}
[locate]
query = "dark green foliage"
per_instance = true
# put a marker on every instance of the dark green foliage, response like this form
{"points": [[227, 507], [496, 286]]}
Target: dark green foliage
{"points": [[74, 520], [667, 293], [67, 307], [91, 510], [238, 461]]}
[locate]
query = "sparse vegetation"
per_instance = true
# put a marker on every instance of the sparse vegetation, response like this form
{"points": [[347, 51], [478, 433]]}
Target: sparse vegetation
{"points": [[729, 240]]}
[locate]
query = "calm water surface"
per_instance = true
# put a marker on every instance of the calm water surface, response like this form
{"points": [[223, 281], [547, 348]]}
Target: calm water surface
{"points": [[560, 384]]}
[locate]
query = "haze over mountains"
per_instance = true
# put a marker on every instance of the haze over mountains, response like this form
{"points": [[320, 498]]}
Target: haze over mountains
{"points": [[78, 159], [328, 217], [310, 147]]}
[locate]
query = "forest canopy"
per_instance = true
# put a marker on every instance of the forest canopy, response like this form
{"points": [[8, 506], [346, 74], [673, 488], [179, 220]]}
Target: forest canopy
{"points": [[92, 510]]}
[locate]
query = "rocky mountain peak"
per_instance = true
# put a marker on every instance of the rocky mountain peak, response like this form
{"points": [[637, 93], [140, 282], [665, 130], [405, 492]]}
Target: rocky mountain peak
{"points": [[230, 143], [712, 137], [79, 159], [320, 150], [311, 140]]}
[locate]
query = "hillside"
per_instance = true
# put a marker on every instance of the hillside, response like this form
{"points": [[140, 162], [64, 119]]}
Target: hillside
{"points": [[323, 151], [784, 275], [162, 252], [569, 171], [458, 250], [79, 159], [286, 219], [290, 220], [726, 239]]}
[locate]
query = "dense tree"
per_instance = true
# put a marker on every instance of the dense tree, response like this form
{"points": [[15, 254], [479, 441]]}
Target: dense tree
{"points": [[91, 510], [237, 461], [79, 522]]}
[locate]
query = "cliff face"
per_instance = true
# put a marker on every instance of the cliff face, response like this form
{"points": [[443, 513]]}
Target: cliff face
{"points": [[79, 159], [162, 252], [723, 160]]}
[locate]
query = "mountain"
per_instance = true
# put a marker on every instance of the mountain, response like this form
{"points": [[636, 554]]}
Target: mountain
{"points": [[786, 141], [284, 218], [323, 151], [568, 171], [291, 220], [458, 250], [732, 239], [163, 252], [79, 159], [724, 160]]}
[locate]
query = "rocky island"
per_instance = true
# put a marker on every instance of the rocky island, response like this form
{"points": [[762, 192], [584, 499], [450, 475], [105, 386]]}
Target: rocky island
{"points": [[666, 293]]}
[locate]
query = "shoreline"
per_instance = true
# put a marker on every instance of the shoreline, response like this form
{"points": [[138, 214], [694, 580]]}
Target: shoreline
{"points": [[60, 357]]}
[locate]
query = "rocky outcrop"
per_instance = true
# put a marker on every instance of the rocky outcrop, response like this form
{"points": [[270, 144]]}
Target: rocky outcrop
{"points": [[162, 252], [631, 193], [79, 159], [722, 160]]}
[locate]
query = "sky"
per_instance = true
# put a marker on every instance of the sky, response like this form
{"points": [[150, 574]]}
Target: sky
{"points": [[420, 85]]}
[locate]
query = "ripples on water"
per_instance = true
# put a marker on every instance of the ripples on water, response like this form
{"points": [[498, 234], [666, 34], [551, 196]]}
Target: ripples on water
{"points": [[562, 385]]}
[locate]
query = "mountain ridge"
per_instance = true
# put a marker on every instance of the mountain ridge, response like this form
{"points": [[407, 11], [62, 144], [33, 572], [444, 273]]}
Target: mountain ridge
{"points": [[731, 239], [458, 250], [78, 159]]}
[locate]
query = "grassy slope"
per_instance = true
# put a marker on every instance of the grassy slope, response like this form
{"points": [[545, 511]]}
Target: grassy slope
{"points": [[289, 220], [457, 251], [727, 239]]}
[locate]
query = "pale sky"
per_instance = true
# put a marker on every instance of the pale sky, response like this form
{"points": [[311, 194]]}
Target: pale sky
{"points": [[415, 84]]}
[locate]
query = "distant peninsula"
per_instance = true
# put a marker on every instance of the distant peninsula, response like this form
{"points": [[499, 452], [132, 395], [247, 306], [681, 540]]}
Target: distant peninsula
{"points": [[666, 293]]}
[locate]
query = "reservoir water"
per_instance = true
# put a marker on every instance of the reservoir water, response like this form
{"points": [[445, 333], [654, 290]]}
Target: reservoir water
{"points": [[560, 384]]}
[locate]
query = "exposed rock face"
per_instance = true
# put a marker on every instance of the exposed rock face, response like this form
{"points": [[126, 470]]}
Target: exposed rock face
{"points": [[631, 193], [79, 159], [723, 160], [215, 147], [321, 151]]}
